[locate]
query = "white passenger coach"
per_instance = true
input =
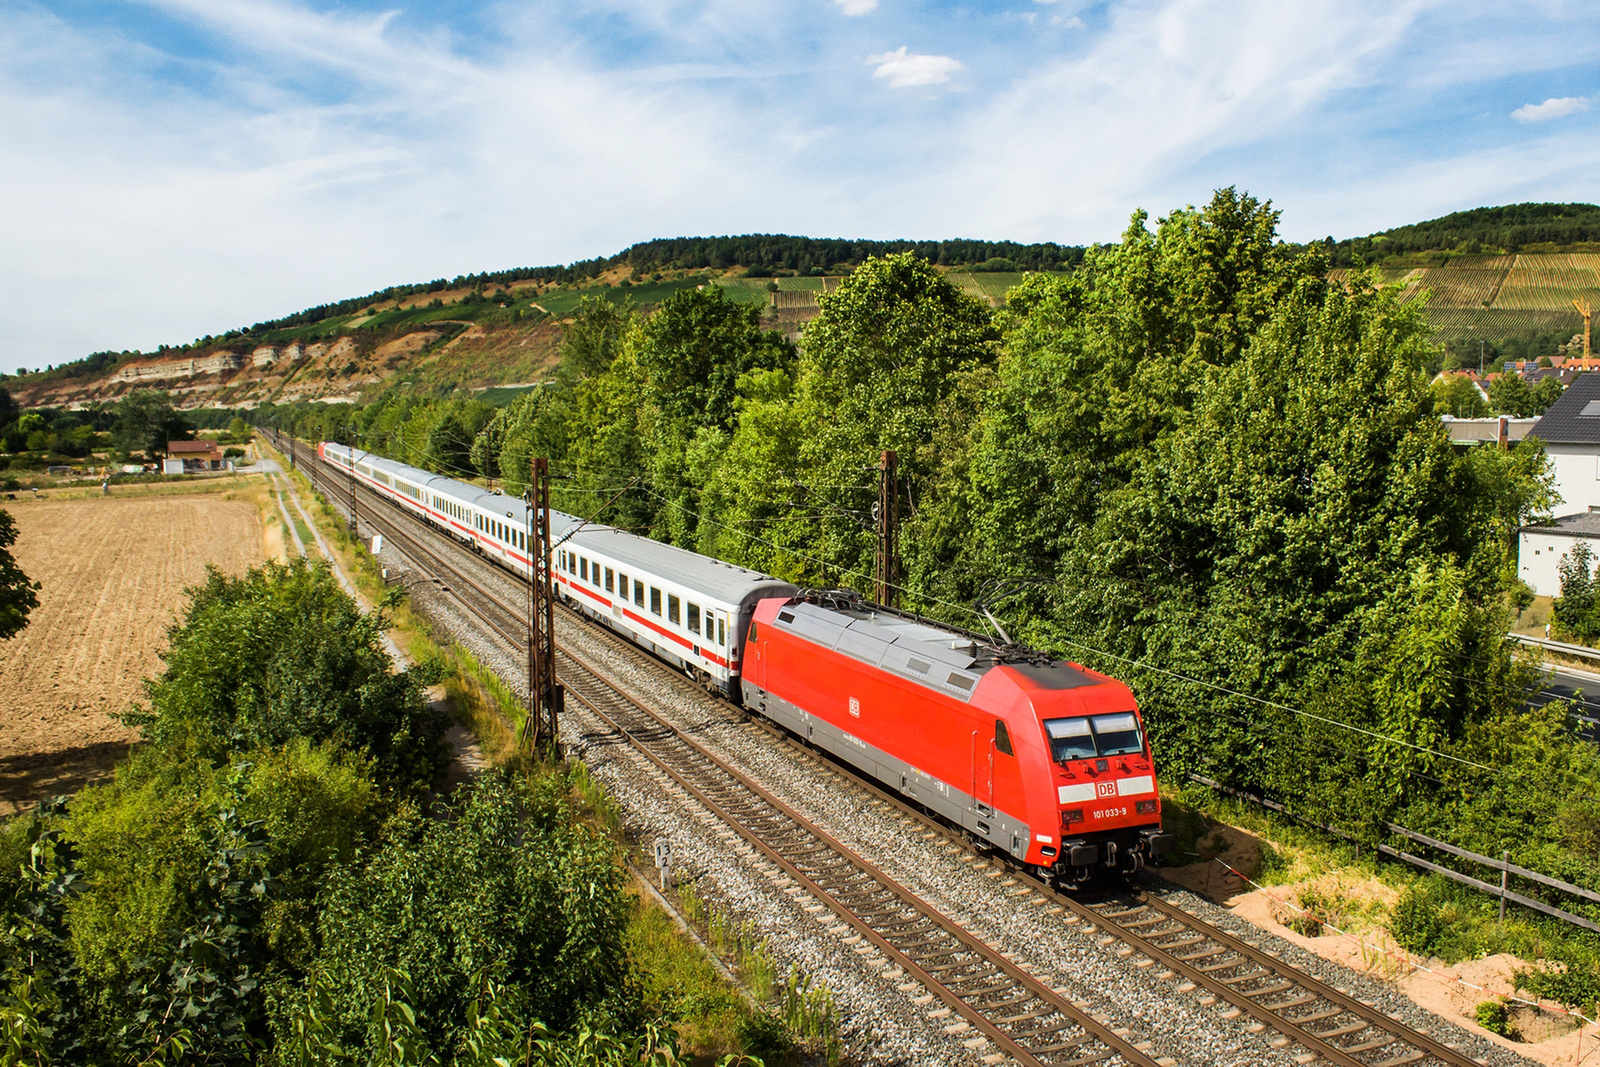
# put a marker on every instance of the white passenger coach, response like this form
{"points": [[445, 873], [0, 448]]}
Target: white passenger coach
{"points": [[690, 609]]}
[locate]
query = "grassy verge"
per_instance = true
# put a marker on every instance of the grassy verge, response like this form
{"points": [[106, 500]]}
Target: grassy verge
{"points": [[713, 1020]]}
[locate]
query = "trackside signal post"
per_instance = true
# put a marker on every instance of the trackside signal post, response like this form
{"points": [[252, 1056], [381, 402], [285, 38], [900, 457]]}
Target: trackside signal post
{"points": [[544, 693], [886, 565]]}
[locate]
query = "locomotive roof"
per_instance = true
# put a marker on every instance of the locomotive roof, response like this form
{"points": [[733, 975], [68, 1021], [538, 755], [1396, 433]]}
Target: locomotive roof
{"points": [[945, 658], [729, 583]]}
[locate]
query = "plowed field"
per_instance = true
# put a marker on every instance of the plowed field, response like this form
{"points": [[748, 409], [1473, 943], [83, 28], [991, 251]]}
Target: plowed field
{"points": [[113, 573]]}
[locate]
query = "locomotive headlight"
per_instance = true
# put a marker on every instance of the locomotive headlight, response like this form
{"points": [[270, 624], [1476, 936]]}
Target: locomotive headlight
{"points": [[1071, 815], [1145, 807]]}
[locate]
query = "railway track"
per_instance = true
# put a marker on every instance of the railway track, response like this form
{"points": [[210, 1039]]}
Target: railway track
{"points": [[1028, 1020]]}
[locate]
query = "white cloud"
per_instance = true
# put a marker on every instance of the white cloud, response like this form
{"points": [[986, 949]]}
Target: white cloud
{"points": [[857, 7], [1557, 107], [902, 68]]}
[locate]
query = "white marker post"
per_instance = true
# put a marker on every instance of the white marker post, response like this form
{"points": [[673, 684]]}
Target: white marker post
{"points": [[663, 850]]}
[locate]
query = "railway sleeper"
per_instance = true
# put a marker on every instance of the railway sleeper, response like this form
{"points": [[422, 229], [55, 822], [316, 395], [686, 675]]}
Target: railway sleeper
{"points": [[1021, 996], [1205, 954], [1339, 1031], [1035, 1013], [1399, 1061], [1293, 1002], [1182, 942], [1050, 1030], [1235, 961], [1268, 990], [1368, 1046], [1248, 976]]}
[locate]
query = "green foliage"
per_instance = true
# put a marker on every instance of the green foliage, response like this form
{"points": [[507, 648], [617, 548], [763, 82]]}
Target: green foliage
{"points": [[1576, 612], [1493, 1017], [281, 653], [146, 421], [505, 887], [1415, 921], [18, 593], [1484, 229], [1456, 395]]}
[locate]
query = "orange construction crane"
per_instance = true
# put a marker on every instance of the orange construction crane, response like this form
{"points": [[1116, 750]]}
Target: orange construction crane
{"points": [[1588, 336]]}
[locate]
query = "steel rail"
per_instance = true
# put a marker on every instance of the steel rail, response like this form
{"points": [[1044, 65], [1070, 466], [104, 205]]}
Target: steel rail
{"points": [[1022, 1016], [905, 928], [1361, 1046]]}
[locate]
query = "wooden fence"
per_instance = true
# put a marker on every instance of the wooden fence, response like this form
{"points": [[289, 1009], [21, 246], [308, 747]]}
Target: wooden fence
{"points": [[1504, 865]]}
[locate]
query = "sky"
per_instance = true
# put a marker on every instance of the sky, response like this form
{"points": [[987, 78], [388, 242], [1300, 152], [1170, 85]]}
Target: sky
{"points": [[176, 168]]}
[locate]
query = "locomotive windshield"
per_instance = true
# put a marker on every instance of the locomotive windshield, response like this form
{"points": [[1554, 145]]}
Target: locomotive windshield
{"points": [[1096, 735]]}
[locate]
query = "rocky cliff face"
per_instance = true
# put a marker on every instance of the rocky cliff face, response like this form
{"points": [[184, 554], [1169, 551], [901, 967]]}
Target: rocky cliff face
{"points": [[341, 370]]}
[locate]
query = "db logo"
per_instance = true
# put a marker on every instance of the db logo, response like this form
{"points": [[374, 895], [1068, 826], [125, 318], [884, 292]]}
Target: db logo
{"points": [[1105, 789], [855, 707]]}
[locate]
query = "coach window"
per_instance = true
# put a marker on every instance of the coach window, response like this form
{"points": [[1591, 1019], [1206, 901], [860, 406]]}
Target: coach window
{"points": [[1002, 737], [694, 618], [638, 593], [672, 609], [594, 574], [583, 568], [622, 586], [722, 633], [655, 601], [611, 576]]}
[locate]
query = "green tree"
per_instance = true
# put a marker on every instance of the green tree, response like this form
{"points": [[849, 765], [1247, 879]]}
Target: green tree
{"points": [[882, 367], [1457, 395], [146, 421], [302, 661], [1099, 365], [1510, 395], [1576, 611], [18, 593], [593, 338]]}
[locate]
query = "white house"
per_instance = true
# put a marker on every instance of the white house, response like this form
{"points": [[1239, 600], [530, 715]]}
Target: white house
{"points": [[1570, 432]]}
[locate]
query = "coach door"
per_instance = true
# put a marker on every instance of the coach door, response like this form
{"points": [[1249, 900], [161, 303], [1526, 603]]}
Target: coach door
{"points": [[983, 772]]}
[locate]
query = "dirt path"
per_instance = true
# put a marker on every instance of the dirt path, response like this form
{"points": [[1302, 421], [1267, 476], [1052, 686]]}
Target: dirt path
{"points": [[113, 573]]}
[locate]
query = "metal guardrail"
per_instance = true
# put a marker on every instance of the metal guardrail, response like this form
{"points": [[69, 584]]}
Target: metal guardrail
{"points": [[1581, 651]]}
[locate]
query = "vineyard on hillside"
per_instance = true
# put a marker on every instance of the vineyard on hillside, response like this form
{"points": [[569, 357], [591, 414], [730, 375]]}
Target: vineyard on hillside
{"points": [[1501, 296]]}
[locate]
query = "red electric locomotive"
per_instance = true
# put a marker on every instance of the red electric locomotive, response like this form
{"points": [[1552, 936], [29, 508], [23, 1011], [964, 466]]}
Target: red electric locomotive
{"points": [[1044, 760]]}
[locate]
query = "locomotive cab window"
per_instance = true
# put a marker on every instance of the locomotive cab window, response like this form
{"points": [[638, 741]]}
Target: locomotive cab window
{"points": [[1069, 739], [1002, 737], [1117, 735], [655, 601], [672, 609], [694, 618]]}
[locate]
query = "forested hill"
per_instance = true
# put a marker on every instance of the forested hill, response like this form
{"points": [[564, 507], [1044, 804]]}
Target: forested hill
{"points": [[757, 252], [1483, 230]]}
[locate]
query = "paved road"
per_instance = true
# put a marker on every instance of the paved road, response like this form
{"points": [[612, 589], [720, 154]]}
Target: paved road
{"points": [[1583, 689]]}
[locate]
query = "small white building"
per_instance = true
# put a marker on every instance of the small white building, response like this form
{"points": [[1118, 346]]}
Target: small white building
{"points": [[1540, 549]]}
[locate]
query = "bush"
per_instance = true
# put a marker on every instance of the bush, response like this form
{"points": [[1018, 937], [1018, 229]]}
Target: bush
{"points": [[1493, 1017], [151, 911], [508, 890], [1414, 920], [282, 653]]}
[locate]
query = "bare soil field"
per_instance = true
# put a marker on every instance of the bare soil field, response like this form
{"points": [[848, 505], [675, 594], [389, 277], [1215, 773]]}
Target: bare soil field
{"points": [[113, 572]]}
